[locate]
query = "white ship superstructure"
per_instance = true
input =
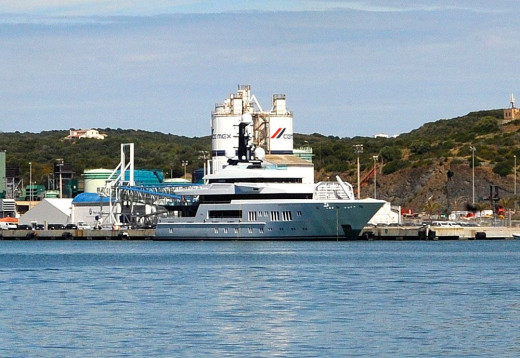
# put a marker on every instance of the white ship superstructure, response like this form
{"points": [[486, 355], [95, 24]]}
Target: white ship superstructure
{"points": [[257, 189]]}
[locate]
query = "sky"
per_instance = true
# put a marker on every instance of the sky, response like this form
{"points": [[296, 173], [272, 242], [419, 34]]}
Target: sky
{"points": [[347, 68]]}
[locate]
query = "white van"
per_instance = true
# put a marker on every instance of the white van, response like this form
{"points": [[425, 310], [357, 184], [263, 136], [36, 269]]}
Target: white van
{"points": [[8, 226]]}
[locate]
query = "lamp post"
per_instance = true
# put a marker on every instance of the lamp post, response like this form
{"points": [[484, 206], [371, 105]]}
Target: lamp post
{"points": [[184, 164], [203, 155], [515, 175], [358, 149], [30, 187], [59, 163], [375, 157], [472, 148]]}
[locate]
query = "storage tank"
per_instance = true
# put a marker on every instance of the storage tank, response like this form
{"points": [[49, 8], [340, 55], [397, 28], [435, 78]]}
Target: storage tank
{"points": [[273, 130], [224, 125], [281, 127], [95, 178]]}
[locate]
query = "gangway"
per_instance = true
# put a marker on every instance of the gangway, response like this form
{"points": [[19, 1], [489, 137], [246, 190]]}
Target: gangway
{"points": [[133, 204]]}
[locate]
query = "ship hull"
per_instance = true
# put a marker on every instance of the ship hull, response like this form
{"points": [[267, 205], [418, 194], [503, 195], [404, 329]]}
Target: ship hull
{"points": [[272, 220]]}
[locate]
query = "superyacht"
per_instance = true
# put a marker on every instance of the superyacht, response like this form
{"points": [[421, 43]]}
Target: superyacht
{"points": [[256, 188]]}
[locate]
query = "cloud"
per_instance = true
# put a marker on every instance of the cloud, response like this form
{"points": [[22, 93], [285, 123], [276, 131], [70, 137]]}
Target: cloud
{"points": [[67, 8], [344, 72]]}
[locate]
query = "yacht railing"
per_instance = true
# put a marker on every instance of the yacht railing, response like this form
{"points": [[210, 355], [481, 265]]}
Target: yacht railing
{"points": [[339, 190]]}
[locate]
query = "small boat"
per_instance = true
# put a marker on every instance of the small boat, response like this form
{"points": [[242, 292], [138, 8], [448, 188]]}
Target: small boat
{"points": [[516, 235]]}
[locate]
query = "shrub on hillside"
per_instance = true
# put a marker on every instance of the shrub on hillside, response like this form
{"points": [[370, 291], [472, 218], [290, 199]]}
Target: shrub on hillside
{"points": [[503, 168], [486, 125], [394, 166]]}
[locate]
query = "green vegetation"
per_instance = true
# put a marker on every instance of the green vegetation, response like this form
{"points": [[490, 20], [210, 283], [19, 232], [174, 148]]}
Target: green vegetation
{"points": [[432, 143], [153, 150]]}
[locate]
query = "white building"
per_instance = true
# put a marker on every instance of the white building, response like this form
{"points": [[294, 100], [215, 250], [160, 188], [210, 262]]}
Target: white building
{"points": [[85, 133], [388, 214], [48, 211]]}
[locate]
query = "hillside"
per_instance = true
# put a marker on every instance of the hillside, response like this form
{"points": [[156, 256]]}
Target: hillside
{"points": [[412, 167]]}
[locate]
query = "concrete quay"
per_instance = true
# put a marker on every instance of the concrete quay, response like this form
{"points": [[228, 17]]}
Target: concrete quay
{"points": [[132, 234], [369, 233], [438, 233]]}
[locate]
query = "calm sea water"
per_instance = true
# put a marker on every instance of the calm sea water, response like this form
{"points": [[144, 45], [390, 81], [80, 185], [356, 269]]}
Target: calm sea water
{"points": [[259, 299]]}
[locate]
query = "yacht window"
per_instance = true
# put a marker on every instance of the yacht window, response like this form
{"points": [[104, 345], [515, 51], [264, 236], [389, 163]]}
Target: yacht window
{"points": [[215, 214], [251, 215]]}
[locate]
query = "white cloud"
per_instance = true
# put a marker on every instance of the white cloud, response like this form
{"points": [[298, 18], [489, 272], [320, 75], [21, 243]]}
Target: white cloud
{"points": [[55, 8], [344, 72]]}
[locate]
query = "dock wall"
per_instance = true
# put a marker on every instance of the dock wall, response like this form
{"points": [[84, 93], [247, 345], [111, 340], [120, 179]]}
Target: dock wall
{"points": [[369, 233], [437, 233]]}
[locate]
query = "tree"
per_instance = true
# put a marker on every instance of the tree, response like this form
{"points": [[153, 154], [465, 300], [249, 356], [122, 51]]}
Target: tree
{"points": [[420, 147], [480, 207], [432, 207], [391, 153]]}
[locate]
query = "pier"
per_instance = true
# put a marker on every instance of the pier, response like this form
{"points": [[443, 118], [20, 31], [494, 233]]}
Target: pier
{"points": [[396, 233], [132, 234], [426, 232]]}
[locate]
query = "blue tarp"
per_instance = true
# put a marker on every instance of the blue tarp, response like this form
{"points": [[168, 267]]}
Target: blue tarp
{"points": [[89, 198]]}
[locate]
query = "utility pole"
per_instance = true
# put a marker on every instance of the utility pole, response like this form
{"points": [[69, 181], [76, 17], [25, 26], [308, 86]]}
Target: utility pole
{"points": [[30, 187], [473, 149], [375, 157], [60, 165], [184, 164], [204, 156], [358, 149], [515, 176]]}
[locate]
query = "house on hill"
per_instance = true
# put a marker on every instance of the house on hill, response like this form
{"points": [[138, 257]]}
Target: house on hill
{"points": [[513, 113], [85, 133]]}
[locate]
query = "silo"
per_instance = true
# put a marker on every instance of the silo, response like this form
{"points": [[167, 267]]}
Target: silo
{"points": [[95, 178], [281, 127], [224, 126]]}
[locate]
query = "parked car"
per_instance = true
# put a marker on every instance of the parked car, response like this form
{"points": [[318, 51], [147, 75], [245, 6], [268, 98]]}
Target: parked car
{"points": [[84, 226], [56, 227], [39, 227], [25, 227], [71, 227]]}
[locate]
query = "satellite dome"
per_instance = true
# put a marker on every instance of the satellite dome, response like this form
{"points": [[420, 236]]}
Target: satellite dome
{"points": [[230, 153], [260, 153], [247, 118]]}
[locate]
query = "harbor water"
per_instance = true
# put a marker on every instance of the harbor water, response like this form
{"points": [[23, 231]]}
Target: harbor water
{"points": [[259, 299]]}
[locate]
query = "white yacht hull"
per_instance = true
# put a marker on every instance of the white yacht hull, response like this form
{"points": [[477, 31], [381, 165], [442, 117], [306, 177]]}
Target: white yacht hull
{"points": [[290, 219]]}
